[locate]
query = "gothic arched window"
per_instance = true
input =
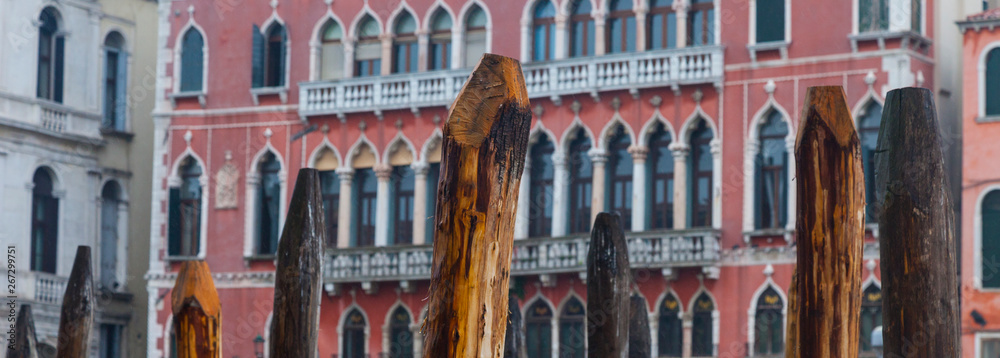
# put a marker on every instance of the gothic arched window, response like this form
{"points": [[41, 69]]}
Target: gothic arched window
{"points": [[538, 330], [669, 330], [540, 205], [660, 170], [619, 172], [543, 30], [44, 222], [769, 323], [581, 29], [771, 173]]}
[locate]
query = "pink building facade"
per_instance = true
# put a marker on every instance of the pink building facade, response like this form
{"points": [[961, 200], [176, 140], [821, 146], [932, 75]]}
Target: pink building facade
{"points": [[679, 115]]}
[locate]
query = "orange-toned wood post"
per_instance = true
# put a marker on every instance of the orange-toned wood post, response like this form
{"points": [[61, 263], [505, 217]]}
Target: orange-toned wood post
{"points": [[197, 313], [485, 142], [829, 229], [295, 323], [609, 282], [916, 224], [77, 317], [25, 344]]}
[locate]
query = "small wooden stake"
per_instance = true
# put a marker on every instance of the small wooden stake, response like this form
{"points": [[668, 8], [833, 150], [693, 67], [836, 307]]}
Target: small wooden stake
{"points": [[830, 227], [919, 277], [197, 313], [77, 316], [485, 142], [295, 323], [609, 279], [25, 343], [514, 341], [639, 339]]}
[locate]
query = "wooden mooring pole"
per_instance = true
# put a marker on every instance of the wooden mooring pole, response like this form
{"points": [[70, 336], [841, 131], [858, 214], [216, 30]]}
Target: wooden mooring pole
{"points": [[295, 323], [639, 340], [25, 343], [609, 282], [77, 316], [830, 228], [917, 243], [485, 142], [197, 313], [514, 343]]}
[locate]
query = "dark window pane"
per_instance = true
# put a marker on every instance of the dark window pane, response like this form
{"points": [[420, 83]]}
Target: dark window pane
{"points": [[991, 239], [702, 327], [365, 193], [330, 188], [580, 182], [402, 183], [771, 173], [538, 330], [992, 95], [769, 323], [770, 20], [619, 181], [669, 333], [269, 200], [192, 61], [542, 174]]}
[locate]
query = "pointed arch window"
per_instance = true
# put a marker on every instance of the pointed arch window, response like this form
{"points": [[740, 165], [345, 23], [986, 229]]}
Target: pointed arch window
{"points": [[403, 182], [701, 23], [354, 335], [332, 51], [404, 45], [703, 326], [669, 331], [51, 48], [581, 29], [700, 166], [368, 51], [572, 335], [543, 32], [538, 330], [771, 173], [871, 315], [439, 57], [400, 336], [365, 194], [580, 183], [992, 83], [110, 201], [619, 183], [268, 203], [115, 73], [868, 125], [44, 223], [662, 25], [542, 174], [770, 20], [184, 228], [660, 169], [873, 15], [620, 27], [192, 61], [269, 50], [990, 239], [475, 35], [769, 323], [330, 190]]}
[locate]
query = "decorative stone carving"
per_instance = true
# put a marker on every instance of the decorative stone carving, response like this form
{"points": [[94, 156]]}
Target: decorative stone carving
{"points": [[225, 185]]}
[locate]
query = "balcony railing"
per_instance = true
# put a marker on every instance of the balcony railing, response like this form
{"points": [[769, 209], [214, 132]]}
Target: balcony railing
{"points": [[44, 287], [530, 257], [631, 71]]}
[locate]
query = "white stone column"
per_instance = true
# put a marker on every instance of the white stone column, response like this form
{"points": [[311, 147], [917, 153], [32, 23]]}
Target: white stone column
{"points": [[523, 203], [686, 324], [458, 48], [639, 187], [640, 28], [716, 149], [346, 175], [423, 39], [598, 158], [681, 9], [562, 38], [419, 202], [348, 62], [383, 172], [790, 152], [750, 185], [560, 189], [386, 53], [680, 152], [600, 40]]}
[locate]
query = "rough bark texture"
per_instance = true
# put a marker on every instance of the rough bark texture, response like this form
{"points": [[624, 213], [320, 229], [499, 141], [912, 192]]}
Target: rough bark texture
{"points": [[485, 142], [514, 343], [197, 313], [919, 279], [609, 279], [295, 323], [639, 340], [830, 227], [25, 343], [77, 316]]}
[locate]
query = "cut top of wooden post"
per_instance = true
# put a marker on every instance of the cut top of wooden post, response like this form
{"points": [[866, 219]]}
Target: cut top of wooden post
{"points": [[495, 85], [827, 106], [195, 286], [78, 309]]}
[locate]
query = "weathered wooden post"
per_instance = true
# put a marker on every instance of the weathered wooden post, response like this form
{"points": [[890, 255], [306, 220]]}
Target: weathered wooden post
{"points": [[295, 323], [197, 313], [919, 279], [830, 227], [609, 279], [77, 316], [514, 343], [639, 340], [25, 343], [485, 142]]}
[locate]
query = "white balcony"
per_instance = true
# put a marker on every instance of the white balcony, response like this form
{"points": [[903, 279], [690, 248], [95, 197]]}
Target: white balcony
{"points": [[629, 71], [649, 250]]}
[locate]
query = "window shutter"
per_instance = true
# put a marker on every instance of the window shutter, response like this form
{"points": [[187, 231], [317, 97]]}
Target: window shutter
{"points": [[57, 80], [257, 58], [121, 99], [174, 223]]}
